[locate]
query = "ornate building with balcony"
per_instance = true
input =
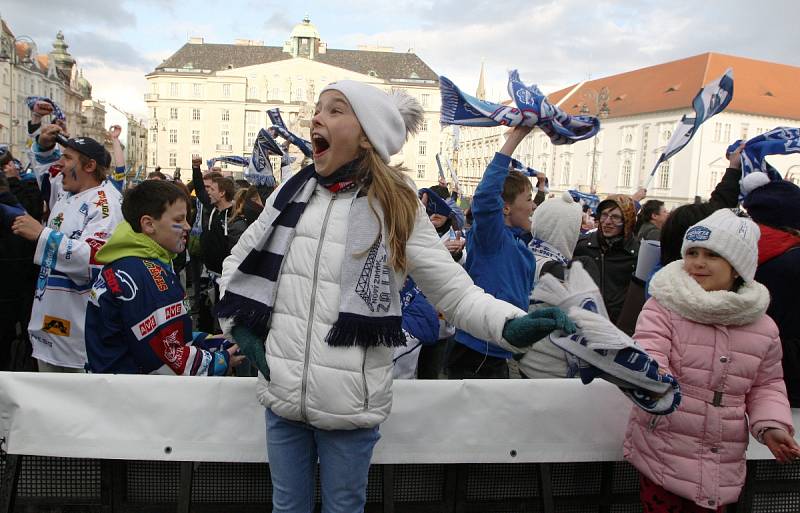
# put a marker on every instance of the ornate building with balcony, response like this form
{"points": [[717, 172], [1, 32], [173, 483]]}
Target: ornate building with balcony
{"points": [[25, 72], [211, 99], [638, 111]]}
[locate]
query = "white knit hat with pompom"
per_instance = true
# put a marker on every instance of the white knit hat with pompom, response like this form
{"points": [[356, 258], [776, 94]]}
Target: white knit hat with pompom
{"points": [[387, 119]]}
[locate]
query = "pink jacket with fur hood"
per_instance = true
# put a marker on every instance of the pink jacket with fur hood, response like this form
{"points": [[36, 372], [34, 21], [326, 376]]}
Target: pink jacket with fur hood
{"points": [[719, 342]]}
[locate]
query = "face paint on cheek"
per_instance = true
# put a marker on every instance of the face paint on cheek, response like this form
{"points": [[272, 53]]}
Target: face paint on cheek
{"points": [[178, 228]]}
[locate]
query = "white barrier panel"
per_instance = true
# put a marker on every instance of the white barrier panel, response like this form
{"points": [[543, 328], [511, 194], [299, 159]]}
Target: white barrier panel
{"points": [[219, 419]]}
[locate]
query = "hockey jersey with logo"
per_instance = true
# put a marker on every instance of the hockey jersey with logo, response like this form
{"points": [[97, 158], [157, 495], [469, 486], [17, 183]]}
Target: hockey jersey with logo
{"points": [[78, 226], [138, 323]]}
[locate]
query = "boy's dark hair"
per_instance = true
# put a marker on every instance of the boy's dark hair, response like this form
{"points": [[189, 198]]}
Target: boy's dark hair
{"points": [[225, 186], [150, 198], [242, 184], [5, 156], [441, 191], [516, 183], [4, 187], [680, 220], [649, 209], [211, 175], [156, 174]]}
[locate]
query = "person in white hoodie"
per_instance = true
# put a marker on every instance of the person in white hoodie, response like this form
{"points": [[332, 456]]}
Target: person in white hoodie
{"points": [[311, 295], [555, 226]]}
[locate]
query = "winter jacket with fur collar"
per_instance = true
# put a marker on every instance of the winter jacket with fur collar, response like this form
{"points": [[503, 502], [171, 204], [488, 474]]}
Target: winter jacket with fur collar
{"points": [[726, 354]]}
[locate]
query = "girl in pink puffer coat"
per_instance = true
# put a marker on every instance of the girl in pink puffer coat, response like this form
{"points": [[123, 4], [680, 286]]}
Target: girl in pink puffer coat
{"points": [[706, 325]]}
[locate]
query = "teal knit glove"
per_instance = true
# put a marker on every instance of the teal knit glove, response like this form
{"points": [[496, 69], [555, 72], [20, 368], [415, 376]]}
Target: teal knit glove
{"points": [[252, 347], [526, 331]]}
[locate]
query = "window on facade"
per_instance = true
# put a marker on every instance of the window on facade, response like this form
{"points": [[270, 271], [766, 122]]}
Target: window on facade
{"points": [[663, 176], [174, 88], [154, 88], [717, 132], [543, 167], [667, 134], [173, 159], [226, 115], [225, 137], [253, 92], [195, 114], [197, 90], [420, 170], [153, 160], [298, 94], [173, 113], [727, 138], [154, 136], [425, 100], [423, 146], [252, 117], [424, 127], [628, 138], [226, 90], [195, 136], [173, 136], [745, 128], [251, 139], [276, 93], [626, 173]]}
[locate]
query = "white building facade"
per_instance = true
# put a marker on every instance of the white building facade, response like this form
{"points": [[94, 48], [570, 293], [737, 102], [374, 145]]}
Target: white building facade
{"points": [[211, 100], [639, 123]]}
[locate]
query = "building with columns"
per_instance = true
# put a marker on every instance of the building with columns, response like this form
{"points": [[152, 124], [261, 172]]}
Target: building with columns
{"points": [[638, 110], [133, 137], [25, 72], [211, 99]]}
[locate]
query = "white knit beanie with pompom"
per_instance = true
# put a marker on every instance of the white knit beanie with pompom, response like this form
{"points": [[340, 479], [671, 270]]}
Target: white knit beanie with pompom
{"points": [[557, 221], [386, 118]]}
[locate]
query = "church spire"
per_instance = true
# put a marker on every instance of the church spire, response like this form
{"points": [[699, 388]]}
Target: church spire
{"points": [[480, 93]]}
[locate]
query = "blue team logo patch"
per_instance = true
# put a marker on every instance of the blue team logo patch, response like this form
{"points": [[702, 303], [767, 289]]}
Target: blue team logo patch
{"points": [[698, 233]]}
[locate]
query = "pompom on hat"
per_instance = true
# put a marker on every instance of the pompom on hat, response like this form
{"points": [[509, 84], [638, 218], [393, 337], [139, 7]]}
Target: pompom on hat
{"points": [[733, 238], [774, 203], [388, 119]]}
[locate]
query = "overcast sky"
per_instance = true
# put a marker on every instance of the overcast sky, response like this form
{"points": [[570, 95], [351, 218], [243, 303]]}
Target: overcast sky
{"points": [[553, 44]]}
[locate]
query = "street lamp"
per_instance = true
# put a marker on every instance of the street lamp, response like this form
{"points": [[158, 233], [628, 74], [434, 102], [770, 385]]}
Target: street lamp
{"points": [[154, 128], [601, 109]]}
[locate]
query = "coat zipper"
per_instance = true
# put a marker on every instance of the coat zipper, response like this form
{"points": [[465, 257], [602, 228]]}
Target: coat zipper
{"points": [[602, 272], [303, 413], [364, 377], [653, 422]]}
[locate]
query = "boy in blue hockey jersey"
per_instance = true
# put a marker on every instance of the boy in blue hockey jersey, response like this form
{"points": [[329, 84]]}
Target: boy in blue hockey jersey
{"points": [[138, 321]]}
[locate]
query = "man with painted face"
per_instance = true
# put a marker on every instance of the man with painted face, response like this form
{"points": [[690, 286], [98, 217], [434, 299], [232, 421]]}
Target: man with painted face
{"points": [[80, 222], [614, 249]]}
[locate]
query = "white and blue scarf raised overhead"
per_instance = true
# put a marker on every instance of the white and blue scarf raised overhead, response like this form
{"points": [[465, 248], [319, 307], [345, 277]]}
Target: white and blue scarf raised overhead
{"points": [[280, 128], [778, 141], [260, 171], [531, 108], [712, 99]]}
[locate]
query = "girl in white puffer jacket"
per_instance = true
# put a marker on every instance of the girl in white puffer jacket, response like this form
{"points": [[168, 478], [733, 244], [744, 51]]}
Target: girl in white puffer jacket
{"points": [[311, 294]]}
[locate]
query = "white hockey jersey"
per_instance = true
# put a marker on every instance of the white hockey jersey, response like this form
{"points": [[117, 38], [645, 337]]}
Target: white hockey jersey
{"points": [[78, 226]]}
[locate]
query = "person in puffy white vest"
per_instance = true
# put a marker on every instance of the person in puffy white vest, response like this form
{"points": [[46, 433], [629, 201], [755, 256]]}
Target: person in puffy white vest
{"points": [[311, 295]]}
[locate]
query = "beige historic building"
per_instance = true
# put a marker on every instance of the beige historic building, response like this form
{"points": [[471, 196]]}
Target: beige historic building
{"points": [[25, 72], [639, 110], [211, 99], [133, 138]]}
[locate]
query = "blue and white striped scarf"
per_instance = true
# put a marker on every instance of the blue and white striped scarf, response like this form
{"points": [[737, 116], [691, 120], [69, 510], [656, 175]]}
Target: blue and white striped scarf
{"points": [[369, 303], [280, 128], [57, 112], [585, 199], [259, 171], [229, 159], [778, 141], [532, 109], [529, 171]]}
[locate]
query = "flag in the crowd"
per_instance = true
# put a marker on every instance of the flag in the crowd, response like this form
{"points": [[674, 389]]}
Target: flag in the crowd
{"points": [[712, 99], [532, 109], [57, 112], [234, 160], [529, 171], [441, 169], [280, 128], [778, 141], [585, 199], [260, 172]]}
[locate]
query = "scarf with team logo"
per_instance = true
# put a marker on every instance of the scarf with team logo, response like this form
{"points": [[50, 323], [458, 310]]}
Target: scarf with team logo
{"points": [[369, 300], [530, 108]]}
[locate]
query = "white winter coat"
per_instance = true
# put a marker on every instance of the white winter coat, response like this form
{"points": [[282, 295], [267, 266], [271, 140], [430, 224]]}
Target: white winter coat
{"points": [[348, 388]]}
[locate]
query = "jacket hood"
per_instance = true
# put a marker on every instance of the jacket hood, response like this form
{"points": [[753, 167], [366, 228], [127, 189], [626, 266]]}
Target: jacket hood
{"points": [[125, 242], [628, 208]]}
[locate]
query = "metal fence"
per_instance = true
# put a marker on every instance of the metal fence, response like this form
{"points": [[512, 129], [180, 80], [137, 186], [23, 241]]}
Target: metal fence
{"points": [[63, 485]]}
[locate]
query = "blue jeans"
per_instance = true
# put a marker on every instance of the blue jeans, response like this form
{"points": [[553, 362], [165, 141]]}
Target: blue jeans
{"points": [[344, 457]]}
